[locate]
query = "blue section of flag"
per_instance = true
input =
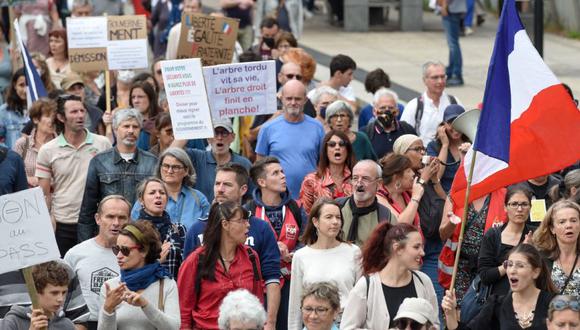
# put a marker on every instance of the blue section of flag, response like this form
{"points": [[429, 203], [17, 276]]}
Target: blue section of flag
{"points": [[35, 87], [493, 131]]}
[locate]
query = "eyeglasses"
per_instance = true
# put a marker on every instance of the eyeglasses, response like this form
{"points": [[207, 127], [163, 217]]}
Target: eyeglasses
{"points": [[320, 311], [222, 133], [442, 77], [175, 168], [125, 250], [365, 180], [418, 149], [517, 264], [516, 205], [560, 304], [405, 322], [292, 76], [333, 144]]}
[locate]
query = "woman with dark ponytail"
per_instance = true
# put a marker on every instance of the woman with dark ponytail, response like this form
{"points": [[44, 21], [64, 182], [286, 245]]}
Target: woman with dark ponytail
{"points": [[221, 265], [391, 258], [525, 307]]}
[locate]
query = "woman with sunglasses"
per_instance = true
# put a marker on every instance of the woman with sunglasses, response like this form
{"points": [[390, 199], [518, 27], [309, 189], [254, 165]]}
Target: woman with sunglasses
{"points": [[152, 195], [558, 238], [391, 260], [498, 241], [143, 297], [564, 313], [185, 205], [525, 307], [320, 306], [325, 258], [448, 146], [221, 265], [332, 177]]}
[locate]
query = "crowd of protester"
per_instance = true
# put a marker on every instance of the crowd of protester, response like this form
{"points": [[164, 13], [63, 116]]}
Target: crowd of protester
{"points": [[299, 219]]}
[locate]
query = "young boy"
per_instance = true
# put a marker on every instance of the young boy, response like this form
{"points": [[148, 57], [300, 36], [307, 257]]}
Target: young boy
{"points": [[51, 281]]}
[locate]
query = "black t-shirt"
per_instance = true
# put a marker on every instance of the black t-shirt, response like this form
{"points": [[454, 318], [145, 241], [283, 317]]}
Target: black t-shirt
{"points": [[395, 296]]}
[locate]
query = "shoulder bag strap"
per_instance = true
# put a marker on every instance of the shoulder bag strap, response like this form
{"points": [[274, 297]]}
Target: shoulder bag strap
{"points": [[160, 303], [569, 276]]}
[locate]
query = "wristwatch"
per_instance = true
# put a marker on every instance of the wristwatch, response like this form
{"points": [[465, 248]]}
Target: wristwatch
{"points": [[421, 181]]}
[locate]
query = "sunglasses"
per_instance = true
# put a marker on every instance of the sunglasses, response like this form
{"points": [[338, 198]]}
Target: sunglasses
{"points": [[292, 76], [125, 250], [333, 144], [560, 304], [404, 323]]}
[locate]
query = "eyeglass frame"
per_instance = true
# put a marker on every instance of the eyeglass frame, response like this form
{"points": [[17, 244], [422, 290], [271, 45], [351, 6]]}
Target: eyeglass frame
{"points": [[120, 248], [175, 168]]}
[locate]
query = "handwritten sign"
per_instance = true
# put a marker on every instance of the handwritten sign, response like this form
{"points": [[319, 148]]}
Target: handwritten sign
{"points": [[207, 37], [26, 234], [187, 99], [538, 211], [241, 89], [111, 42]]}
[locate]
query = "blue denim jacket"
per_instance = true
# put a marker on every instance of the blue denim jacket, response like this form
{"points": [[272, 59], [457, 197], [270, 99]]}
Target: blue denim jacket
{"points": [[110, 174], [11, 125]]}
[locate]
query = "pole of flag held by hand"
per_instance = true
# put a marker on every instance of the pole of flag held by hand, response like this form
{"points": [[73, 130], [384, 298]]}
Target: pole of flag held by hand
{"points": [[108, 128]]}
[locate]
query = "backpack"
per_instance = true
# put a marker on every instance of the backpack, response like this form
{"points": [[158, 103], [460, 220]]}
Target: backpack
{"points": [[421, 106]]}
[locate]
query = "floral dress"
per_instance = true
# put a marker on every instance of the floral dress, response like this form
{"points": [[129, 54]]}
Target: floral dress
{"points": [[559, 278]]}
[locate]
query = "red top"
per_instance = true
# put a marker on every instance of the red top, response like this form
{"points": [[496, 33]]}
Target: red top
{"points": [[202, 312]]}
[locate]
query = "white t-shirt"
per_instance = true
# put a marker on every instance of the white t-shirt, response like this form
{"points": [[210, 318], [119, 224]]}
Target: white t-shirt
{"points": [[432, 115], [339, 265], [94, 265]]}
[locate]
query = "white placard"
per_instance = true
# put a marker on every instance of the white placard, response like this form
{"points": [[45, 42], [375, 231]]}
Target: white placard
{"points": [[127, 54], [26, 234], [241, 89], [187, 99], [89, 32]]}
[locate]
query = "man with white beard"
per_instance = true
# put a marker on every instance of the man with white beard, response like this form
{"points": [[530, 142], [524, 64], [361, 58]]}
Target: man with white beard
{"points": [[293, 138]]}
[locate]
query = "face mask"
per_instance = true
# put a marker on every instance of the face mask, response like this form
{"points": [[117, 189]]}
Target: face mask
{"points": [[323, 112], [386, 120], [270, 42]]}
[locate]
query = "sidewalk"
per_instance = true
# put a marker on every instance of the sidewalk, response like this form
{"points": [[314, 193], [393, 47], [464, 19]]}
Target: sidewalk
{"points": [[401, 54]]}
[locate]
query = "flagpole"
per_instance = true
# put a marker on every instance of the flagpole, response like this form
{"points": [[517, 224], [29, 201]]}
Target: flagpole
{"points": [[463, 220], [108, 128]]}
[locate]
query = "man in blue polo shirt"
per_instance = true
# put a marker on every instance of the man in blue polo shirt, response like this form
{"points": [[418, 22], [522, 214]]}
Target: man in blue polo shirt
{"points": [[206, 161], [231, 183]]}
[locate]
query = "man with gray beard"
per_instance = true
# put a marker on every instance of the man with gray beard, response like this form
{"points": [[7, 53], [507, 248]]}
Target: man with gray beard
{"points": [[361, 212], [293, 138], [117, 171]]}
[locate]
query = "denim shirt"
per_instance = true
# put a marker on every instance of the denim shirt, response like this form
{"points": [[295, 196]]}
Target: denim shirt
{"points": [[110, 174], [190, 206], [11, 125]]}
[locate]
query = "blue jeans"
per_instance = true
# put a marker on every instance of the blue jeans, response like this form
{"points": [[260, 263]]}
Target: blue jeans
{"points": [[468, 20], [430, 260], [452, 25]]}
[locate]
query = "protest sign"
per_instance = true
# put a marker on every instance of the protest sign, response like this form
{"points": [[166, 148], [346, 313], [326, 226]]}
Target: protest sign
{"points": [[107, 42], [538, 210], [241, 89], [26, 234], [187, 98], [207, 37]]}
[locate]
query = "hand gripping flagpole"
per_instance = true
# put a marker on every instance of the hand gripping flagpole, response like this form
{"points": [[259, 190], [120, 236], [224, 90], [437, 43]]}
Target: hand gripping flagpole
{"points": [[463, 221]]}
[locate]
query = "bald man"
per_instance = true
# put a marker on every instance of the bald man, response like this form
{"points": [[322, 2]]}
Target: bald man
{"points": [[293, 138]]}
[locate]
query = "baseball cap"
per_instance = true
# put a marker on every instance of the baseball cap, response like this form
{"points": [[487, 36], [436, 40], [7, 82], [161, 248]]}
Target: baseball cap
{"points": [[451, 112], [225, 123], [70, 80], [417, 309]]}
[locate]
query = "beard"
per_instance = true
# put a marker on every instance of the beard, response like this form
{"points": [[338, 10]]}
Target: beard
{"points": [[293, 111]]}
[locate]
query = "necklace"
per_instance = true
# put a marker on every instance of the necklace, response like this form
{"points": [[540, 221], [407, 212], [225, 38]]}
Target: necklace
{"points": [[525, 319]]}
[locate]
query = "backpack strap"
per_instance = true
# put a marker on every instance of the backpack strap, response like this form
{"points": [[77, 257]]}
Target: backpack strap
{"points": [[419, 112], [368, 280], [252, 256], [418, 277], [161, 303]]}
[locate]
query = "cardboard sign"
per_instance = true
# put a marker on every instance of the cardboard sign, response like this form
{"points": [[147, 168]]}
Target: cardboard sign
{"points": [[241, 89], [538, 211], [187, 99], [26, 234], [207, 37], [107, 43]]}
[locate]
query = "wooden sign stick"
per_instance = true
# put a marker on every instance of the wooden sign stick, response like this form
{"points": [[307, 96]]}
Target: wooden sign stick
{"points": [[27, 272]]}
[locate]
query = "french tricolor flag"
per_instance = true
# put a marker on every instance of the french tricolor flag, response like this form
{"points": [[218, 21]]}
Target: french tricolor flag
{"points": [[226, 28], [529, 125]]}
